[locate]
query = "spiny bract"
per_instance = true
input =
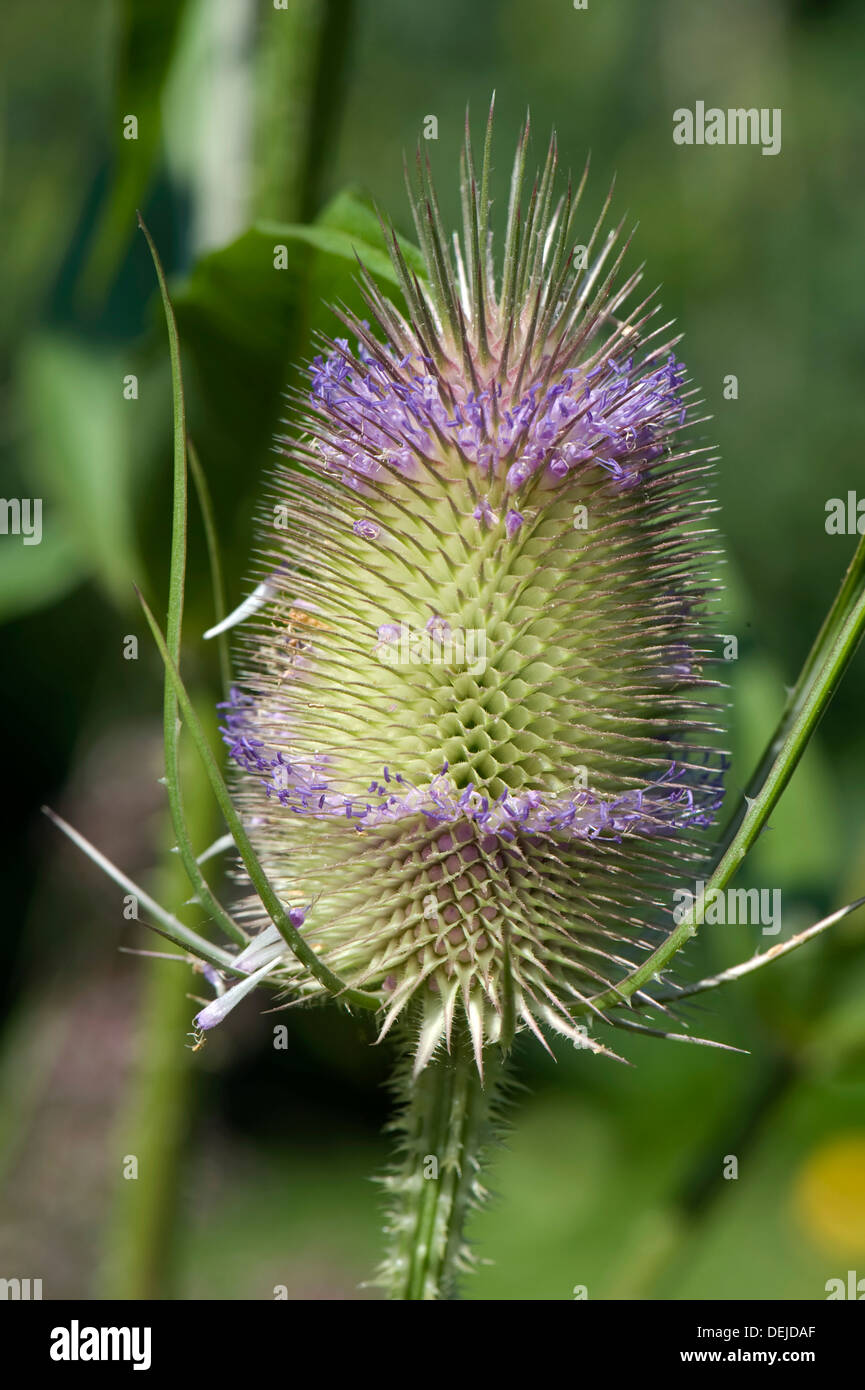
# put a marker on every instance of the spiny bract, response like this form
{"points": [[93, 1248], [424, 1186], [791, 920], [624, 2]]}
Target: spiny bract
{"points": [[473, 720]]}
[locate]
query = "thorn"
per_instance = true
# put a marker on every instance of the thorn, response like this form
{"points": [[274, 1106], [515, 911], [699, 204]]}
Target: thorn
{"points": [[260, 596]]}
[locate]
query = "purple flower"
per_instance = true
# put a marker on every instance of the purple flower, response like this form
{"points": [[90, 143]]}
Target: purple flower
{"points": [[486, 830]]}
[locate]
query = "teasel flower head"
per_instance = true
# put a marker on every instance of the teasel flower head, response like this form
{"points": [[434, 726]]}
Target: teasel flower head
{"points": [[474, 728]]}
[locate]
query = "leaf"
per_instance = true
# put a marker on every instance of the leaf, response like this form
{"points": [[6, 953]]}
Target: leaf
{"points": [[80, 432], [246, 326], [31, 576], [148, 32]]}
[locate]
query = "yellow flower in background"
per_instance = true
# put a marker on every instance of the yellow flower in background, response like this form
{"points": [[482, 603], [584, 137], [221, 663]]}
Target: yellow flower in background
{"points": [[829, 1194]]}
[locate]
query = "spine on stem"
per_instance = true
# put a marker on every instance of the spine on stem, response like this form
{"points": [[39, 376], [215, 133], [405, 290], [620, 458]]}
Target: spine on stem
{"points": [[446, 1126]]}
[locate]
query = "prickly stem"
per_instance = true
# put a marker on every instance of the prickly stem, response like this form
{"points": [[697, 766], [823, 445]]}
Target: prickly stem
{"points": [[446, 1125]]}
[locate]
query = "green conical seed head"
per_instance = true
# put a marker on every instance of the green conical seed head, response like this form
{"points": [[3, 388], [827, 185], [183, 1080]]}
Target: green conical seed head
{"points": [[474, 718]]}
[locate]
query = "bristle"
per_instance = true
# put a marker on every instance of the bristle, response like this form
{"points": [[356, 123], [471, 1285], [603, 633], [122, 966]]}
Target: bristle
{"points": [[487, 839]]}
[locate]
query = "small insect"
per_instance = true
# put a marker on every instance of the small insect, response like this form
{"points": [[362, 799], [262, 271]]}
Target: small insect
{"points": [[199, 1038], [294, 640], [299, 617]]}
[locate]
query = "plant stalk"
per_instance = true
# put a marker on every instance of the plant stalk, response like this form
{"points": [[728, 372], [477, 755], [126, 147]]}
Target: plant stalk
{"points": [[446, 1125]]}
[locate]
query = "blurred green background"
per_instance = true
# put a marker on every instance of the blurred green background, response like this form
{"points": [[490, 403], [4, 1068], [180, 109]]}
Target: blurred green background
{"points": [[253, 1163]]}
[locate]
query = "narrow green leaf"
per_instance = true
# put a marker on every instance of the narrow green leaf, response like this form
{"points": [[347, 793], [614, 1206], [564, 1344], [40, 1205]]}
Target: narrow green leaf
{"points": [[205, 503], [817, 690], [176, 585], [277, 913]]}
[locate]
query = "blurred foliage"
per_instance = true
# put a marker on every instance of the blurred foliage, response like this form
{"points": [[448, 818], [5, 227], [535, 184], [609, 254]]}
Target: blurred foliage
{"points": [[254, 121]]}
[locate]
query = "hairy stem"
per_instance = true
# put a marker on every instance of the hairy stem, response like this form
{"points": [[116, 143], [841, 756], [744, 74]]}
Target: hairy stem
{"points": [[446, 1126]]}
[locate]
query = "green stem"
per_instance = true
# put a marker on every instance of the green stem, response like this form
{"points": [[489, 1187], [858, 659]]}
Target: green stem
{"points": [[174, 624], [205, 503], [177, 701], [851, 586], [299, 84], [139, 1258], [816, 687], [153, 1128], [272, 905], [446, 1125]]}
